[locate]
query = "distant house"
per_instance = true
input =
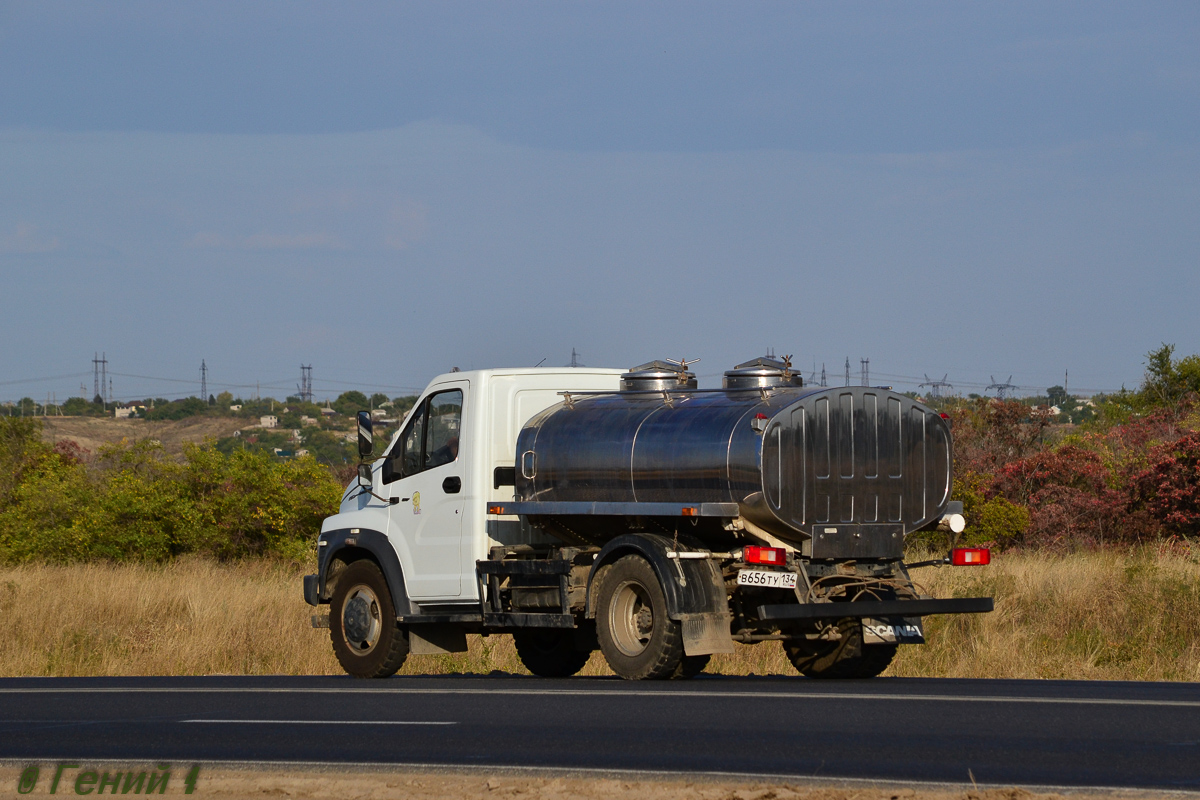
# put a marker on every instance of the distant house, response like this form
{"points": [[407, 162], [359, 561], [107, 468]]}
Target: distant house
{"points": [[268, 421], [235, 408], [1055, 410], [295, 434], [124, 412], [329, 412], [308, 421], [378, 413], [301, 453]]}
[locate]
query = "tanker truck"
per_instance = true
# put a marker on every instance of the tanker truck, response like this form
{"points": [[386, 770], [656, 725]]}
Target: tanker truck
{"points": [[632, 512]]}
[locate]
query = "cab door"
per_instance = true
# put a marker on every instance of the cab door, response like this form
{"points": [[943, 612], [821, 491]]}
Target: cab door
{"points": [[424, 471]]}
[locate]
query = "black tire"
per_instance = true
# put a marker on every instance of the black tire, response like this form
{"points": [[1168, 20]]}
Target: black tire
{"points": [[637, 638], [366, 639], [550, 653], [691, 666], [846, 658]]}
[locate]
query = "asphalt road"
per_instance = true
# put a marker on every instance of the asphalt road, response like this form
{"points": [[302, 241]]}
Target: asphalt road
{"points": [[1004, 732]]}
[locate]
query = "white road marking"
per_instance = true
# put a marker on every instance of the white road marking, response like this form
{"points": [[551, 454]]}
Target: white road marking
{"points": [[314, 722], [643, 695]]}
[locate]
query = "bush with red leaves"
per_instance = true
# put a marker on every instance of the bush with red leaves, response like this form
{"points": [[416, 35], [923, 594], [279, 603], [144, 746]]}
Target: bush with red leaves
{"points": [[70, 451], [1071, 499], [991, 433], [1169, 489]]}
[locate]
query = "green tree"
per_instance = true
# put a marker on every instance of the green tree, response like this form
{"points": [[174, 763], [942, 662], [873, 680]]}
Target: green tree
{"points": [[351, 402], [402, 405], [1168, 381], [378, 399], [1057, 396], [76, 407]]}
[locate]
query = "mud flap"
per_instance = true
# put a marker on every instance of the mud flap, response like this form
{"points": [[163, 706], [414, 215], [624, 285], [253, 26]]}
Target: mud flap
{"points": [[427, 640], [706, 633], [894, 630]]}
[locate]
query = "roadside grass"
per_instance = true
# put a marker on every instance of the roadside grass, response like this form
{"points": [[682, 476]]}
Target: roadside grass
{"points": [[1107, 615]]}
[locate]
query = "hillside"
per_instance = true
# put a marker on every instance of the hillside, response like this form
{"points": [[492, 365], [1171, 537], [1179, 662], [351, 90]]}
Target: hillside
{"points": [[91, 432]]}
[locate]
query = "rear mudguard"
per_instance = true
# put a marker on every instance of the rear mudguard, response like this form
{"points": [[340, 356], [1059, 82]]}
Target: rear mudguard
{"points": [[693, 587]]}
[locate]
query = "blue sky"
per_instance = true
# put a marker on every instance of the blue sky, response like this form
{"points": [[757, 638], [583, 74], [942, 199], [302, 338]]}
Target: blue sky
{"points": [[390, 190]]}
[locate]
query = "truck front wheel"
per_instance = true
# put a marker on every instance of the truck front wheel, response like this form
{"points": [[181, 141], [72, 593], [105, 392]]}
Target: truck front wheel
{"points": [[366, 639], [550, 653], [638, 639]]}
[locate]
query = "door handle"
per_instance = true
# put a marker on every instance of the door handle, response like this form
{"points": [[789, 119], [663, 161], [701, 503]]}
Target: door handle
{"points": [[452, 485]]}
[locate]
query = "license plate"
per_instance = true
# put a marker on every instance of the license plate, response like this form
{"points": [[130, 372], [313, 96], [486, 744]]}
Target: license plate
{"points": [[892, 631], [766, 579]]}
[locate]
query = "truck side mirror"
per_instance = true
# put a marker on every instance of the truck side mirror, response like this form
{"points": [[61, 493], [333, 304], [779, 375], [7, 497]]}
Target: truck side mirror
{"points": [[366, 438], [364, 476]]}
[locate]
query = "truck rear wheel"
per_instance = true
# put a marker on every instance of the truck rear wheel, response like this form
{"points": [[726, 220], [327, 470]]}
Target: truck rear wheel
{"points": [[638, 639], [550, 653], [366, 638], [691, 666], [846, 658]]}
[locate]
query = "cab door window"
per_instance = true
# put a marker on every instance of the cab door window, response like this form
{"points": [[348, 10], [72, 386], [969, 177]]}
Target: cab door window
{"points": [[445, 419], [429, 440]]}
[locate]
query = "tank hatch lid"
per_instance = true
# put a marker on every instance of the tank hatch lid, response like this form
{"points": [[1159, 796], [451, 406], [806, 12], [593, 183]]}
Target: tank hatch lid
{"points": [[658, 376], [762, 372]]}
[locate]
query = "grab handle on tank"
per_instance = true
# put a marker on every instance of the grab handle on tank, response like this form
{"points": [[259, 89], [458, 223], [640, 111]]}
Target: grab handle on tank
{"points": [[528, 464]]}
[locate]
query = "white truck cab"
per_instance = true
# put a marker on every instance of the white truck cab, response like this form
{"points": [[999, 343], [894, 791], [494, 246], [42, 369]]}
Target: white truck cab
{"points": [[454, 452]]}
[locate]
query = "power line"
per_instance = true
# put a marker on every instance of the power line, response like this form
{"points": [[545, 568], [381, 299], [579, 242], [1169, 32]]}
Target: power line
{"points": [[935, 387], [100, 376], [50, 378], [305, 387], [1002, 389]]}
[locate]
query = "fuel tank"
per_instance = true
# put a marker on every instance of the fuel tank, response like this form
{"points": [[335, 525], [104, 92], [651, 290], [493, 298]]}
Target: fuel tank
{"points": [[795, 459]]}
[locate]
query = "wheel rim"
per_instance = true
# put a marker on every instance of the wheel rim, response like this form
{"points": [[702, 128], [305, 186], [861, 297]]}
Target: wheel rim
{"points": [[362, 622], [631, 618]]}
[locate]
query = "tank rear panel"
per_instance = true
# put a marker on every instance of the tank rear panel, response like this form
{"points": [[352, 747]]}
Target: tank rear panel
{"points": [[857, 456]]}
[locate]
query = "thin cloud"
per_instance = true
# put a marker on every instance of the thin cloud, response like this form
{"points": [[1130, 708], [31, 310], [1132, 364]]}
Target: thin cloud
{"points": [[24, 240], [266, 241], [407, 223]]}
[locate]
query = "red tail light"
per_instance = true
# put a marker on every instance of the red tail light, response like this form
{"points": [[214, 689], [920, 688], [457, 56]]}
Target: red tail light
{"points": [[764, 555], [970, 556]]}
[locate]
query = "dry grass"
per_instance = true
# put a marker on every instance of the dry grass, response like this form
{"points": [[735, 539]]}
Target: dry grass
{"points": [[1097, 616], [233, 782], [91, 433], [1108, 615]]}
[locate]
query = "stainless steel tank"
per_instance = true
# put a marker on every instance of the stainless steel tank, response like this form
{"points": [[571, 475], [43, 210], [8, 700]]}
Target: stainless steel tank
{"points": [[794, 459]]}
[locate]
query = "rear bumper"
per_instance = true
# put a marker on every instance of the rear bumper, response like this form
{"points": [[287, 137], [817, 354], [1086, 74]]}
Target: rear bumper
{"points": [[877, 608]]}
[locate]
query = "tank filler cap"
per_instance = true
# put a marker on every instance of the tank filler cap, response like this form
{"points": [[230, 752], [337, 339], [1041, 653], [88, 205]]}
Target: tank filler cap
{"points": [[659, 376], [763, 372]]}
